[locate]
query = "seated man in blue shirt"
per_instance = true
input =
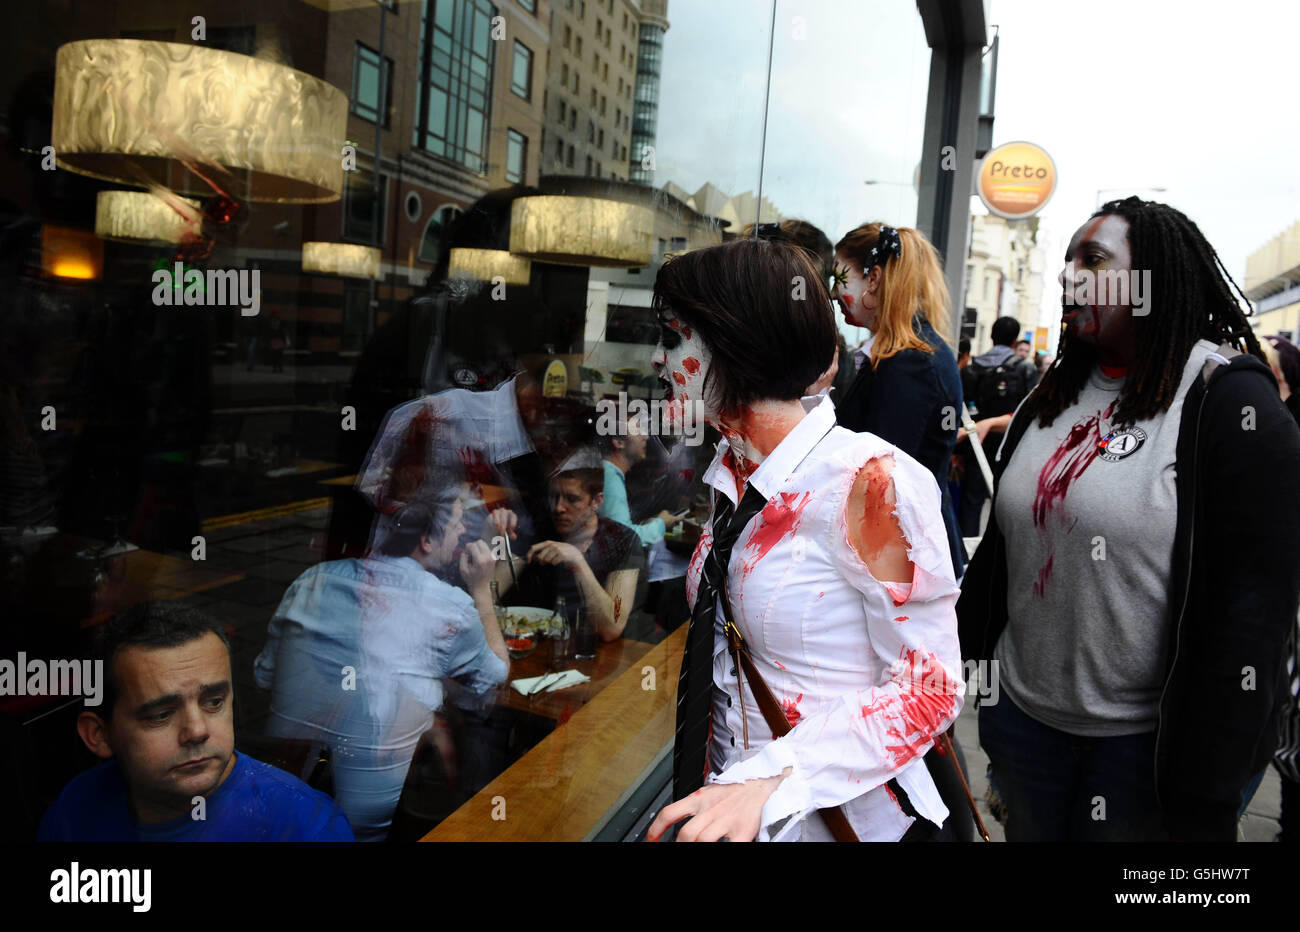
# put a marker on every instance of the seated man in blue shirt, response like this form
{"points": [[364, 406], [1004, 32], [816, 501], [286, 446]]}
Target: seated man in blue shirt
{"points": [[167, 734], [621, 454], [358, 650]]}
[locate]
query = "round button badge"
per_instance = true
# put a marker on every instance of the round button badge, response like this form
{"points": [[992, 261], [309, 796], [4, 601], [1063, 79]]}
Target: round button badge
{"points": [[1122, 443]]}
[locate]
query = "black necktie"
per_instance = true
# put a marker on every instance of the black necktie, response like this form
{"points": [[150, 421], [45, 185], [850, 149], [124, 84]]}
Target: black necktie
{"points": [[695, 686]]}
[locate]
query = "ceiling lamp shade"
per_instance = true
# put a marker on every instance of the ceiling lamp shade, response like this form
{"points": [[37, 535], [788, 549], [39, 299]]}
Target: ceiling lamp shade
{"points": [[140, 112], [134, 216], [581, 231], [346, 259], [486, 264]]}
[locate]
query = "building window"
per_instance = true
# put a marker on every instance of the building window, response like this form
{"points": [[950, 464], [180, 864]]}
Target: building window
{"points": [[434, 240], [577, 46], [568, 158], [366, 82], [573, 118], [602, 104], [562, 111], [456, 61], [588, 166], [582, 10], [593, 98], [521, 75], [359, 205], [575, 80], [516, 156], [601, 139], [559, 150], [564, 75]]}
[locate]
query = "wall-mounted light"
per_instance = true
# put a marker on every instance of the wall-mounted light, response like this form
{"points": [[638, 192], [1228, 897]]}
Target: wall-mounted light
{"points": [[67, 253]]}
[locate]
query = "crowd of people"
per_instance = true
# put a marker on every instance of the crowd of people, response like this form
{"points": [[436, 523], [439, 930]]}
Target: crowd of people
{"points": [[1133, 587]]}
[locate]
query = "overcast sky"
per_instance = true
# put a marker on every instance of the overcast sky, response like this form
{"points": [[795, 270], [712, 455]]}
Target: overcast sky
{"points": [[1191, 96]]}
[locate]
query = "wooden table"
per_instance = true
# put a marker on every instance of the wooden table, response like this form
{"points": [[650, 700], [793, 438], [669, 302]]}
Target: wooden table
{"points": [[570, 785], [611, 660], [142, 575]]}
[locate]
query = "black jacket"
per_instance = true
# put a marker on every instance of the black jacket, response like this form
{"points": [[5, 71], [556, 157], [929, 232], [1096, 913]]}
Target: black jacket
{"points": [[913, 400], [1234, 593]]}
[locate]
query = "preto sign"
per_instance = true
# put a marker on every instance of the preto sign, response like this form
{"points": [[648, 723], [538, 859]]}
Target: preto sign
{"points": [[1016, 180]]}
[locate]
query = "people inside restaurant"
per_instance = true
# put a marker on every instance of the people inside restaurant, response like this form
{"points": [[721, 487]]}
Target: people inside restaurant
{"points": [[595, 564]]}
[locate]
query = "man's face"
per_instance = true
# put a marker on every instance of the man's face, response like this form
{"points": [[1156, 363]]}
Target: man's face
{"points": [[634, 444], [446, 551], [571, 507], [172, 729], [1099, 245], [1022, 350]]}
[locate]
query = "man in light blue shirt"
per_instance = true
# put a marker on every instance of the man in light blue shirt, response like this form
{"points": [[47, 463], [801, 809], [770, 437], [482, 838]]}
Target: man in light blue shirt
{"points": [[621, 454], [358, 649]]}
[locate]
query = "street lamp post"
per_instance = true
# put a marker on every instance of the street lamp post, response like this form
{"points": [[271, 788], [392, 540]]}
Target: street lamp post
{"points": [[372, 316]]}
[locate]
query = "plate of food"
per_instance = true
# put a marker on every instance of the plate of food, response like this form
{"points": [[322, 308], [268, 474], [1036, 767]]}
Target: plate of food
{"points": [[526, 620]]}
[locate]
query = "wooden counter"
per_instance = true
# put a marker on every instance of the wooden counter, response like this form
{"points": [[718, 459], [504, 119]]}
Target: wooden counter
{"points": [[569, 786]]}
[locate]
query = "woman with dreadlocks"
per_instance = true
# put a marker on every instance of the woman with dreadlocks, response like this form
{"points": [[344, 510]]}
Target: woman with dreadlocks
{"points": [[1134, 597]]}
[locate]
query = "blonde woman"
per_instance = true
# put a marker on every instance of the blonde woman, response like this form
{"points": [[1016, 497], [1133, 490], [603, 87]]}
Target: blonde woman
{"points": [[907, 390]]}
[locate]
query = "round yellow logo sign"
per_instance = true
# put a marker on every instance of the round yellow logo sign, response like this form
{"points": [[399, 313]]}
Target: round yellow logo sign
{"points": [[1016, 180]]}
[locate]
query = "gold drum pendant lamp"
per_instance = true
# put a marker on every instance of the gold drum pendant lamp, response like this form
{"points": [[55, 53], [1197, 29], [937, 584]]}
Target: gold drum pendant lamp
{"points": [[347, 259], [197, 120], [587, 231]]}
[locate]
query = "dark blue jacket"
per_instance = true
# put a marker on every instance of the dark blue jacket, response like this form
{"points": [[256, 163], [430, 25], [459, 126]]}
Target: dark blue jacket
{"points": [[913, 400]]}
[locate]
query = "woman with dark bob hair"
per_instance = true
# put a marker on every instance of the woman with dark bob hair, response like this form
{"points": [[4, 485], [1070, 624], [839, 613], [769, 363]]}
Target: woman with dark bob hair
{"points": [[1137, 580], [825, 555]]}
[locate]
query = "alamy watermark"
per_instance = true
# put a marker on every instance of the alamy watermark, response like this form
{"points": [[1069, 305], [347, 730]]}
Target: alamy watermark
{"points": [[1111, 287], [102, 885], [660, 418], [216, 287], [25, 677]]}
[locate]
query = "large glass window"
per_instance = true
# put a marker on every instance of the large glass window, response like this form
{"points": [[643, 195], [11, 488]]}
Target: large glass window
{"points": [[516, 156], [433, 242], [456, 85], [521, 75], [359, 206], [367, 80]]}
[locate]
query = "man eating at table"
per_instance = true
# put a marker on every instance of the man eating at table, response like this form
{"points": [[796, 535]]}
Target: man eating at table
{"points": [[359, 651], [166, 732], [596, 564]]}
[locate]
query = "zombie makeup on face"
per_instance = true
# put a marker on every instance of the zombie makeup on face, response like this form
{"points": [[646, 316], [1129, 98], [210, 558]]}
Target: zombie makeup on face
{"points": [[850, 295], [682, 360]]}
